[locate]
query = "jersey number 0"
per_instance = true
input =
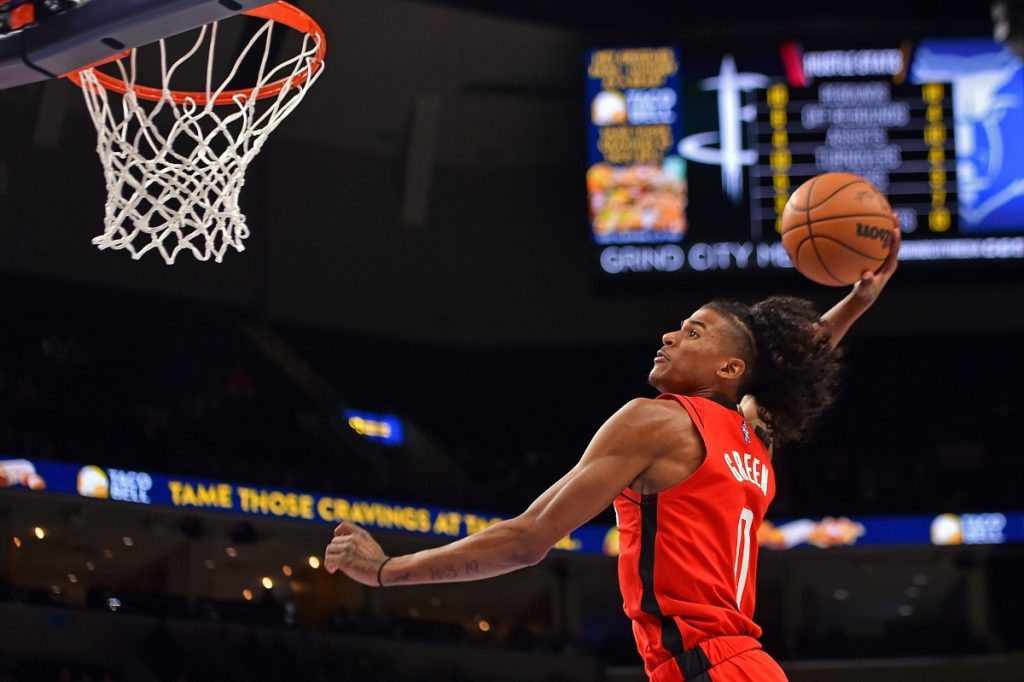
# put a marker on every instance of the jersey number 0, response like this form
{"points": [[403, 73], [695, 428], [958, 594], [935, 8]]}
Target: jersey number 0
{"points": [[741, 565]]}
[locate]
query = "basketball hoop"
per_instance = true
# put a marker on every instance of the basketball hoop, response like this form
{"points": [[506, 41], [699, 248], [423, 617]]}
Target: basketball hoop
{"points": [[174, 160]]}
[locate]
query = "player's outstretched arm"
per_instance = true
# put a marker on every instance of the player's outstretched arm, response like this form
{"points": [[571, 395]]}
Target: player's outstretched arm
{"points": [[840, 318], [621, 450]]}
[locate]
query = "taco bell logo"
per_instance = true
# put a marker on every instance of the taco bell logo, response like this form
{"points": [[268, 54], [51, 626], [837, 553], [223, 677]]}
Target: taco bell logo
{"points": [[130, 486]]}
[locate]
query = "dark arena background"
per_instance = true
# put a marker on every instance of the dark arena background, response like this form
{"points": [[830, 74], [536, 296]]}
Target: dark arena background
{"points": [[437, 307]]}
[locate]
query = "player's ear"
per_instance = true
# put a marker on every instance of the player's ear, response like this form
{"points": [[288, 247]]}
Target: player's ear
{"points": [[732, 368]]}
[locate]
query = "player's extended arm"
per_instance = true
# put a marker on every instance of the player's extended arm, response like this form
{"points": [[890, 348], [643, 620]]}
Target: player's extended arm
{"points": [[841, 317], [621, 450]]}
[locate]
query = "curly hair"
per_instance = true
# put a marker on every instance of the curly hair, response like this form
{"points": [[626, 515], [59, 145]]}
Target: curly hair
{"points": [[792, 369]]}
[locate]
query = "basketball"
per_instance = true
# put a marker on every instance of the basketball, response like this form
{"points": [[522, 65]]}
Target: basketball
{"points": [[835, 227]]}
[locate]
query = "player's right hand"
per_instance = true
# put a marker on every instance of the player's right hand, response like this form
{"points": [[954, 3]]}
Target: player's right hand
{"points": [[355, 553]]}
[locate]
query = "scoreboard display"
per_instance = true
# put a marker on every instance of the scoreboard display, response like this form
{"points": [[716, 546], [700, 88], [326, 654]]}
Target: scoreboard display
{"points": [[901, 138], [936, 126]]}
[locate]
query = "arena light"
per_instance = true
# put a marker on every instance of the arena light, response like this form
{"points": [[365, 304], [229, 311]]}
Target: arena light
{"points": [[39, 532], [16, 540], [247, 594], [314, 562], [267, 583], [286, 570], [385, 429]]}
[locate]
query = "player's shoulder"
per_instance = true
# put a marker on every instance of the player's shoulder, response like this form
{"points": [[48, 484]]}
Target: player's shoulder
{"points": [[657, 425], [654, 411]]}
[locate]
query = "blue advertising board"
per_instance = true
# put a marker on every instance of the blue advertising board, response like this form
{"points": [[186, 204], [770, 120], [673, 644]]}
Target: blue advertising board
{"points": [[197, 494]]}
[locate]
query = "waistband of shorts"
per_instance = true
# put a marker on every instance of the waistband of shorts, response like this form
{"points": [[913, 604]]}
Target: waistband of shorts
{"points": [[693, 664]]}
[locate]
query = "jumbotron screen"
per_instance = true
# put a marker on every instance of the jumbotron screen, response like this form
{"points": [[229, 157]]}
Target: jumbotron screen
{"points": [[691, 158]]}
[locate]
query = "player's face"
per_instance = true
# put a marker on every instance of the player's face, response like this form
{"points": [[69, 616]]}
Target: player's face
{"points": [[691, 355]]}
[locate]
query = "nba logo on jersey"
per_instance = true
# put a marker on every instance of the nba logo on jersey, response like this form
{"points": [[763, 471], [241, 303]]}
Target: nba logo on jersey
{"points": [[746, 432]]}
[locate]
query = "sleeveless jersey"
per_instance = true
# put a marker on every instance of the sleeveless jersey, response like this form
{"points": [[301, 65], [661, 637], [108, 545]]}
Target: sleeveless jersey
{"points": [[688, 555]]}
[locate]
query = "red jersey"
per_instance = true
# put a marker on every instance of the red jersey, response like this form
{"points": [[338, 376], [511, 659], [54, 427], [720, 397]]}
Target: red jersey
{"points": [[688, 555]]}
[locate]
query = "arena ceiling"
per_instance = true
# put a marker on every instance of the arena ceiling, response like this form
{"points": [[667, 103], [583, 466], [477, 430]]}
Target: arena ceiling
{"points": [[618, 15], [493, 89]]}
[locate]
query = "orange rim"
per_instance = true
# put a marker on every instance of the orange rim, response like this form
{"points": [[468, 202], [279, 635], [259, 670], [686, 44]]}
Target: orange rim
{"points": [[280, 11]]}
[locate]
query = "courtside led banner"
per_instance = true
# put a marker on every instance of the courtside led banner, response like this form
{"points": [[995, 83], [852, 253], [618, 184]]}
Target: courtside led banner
{"points": [[183, 492], [194, 494]]}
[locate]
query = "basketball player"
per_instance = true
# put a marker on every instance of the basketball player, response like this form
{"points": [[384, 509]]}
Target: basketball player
{"points": [[690, 476]]}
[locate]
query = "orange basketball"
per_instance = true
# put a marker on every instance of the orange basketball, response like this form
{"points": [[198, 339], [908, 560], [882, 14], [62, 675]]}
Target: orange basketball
{"points": [[835, 227]]}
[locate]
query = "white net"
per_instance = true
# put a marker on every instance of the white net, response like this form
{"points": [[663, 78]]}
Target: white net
{"points": [[174, 167]]}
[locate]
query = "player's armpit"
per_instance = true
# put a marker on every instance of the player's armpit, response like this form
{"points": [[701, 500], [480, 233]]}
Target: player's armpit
{"points": [[758, 418], [622, 449], [628, 443]]}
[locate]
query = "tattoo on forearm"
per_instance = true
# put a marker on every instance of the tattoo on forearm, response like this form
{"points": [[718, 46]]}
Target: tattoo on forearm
{"points": [[453, 572], [404, 578]]}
